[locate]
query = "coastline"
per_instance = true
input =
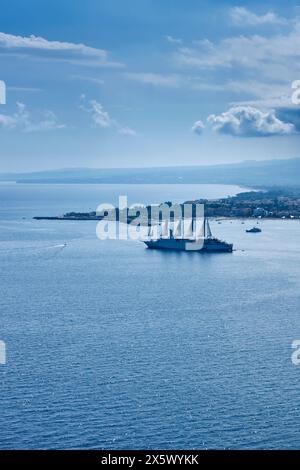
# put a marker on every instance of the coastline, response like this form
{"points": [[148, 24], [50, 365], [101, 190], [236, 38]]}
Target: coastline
{"points": [[254, 204]]}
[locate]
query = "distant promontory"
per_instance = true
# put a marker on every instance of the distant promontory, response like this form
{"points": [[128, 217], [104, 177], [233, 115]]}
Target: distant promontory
{"points": [[255, 174]]}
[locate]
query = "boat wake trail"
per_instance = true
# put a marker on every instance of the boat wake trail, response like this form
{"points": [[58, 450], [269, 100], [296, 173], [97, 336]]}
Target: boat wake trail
{"points": [[58, 246], [51, 250]]}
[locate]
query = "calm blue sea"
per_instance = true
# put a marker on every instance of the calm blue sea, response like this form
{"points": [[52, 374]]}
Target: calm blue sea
{"points": [[113, 346]]}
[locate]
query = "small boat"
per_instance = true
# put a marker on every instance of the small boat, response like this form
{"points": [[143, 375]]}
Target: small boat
{"points": [[254, 230]]}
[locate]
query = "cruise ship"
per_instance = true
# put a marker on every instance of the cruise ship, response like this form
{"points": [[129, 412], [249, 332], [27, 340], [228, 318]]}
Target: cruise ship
{"points": [[162, 237]]}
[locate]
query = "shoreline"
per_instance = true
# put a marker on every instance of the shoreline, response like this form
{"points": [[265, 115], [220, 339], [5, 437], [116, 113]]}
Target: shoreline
{"points": [[252, 205]]}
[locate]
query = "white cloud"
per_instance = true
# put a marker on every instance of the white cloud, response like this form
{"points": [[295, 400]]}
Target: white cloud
{"points": [[2, 92], [7, 122], [247, 121], [25, 89], [272, 57], [267, 102], [37, 42], [155, 79], [102, 119], [96, 80], [73, 52], [22, 120], [173, 40], [127, 131], [255, 88], [260, 89], [198, 127], [264, 95], [242, 17]]}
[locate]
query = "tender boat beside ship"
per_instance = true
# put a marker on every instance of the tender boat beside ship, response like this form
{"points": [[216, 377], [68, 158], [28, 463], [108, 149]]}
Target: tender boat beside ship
{"points": [[254, 230]]}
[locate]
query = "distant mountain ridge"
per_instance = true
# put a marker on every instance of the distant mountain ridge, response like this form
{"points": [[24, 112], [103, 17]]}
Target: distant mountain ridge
{"points": [[267, 173]]}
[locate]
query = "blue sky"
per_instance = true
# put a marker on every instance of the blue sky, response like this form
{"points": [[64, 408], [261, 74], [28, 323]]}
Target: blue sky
{"points": [[132, 83]]}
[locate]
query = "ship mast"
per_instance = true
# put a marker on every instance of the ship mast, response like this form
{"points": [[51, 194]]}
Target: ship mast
{"points": [[208, 233]]}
